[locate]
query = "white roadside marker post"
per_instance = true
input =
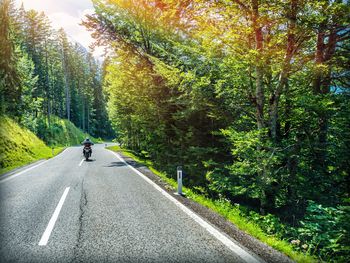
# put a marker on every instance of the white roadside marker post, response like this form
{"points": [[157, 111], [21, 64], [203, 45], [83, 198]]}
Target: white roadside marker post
{"points": [[179, 180]]}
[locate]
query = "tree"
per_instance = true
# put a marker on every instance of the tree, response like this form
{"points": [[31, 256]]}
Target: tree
{"points": [[9, 77]]}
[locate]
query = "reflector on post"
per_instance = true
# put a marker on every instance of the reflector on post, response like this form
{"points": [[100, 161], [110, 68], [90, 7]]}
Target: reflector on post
{"points": [[179, 180]]}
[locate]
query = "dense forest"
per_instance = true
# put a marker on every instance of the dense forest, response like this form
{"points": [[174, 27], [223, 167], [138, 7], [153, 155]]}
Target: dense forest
{"points": [[45, 75], [251, 97]]}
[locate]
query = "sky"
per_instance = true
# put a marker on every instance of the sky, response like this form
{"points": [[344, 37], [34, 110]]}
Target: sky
{"points": [[68, 15]]}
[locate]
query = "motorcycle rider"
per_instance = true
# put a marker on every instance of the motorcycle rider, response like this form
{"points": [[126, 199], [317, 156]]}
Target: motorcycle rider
{"points": [[87, 143]]}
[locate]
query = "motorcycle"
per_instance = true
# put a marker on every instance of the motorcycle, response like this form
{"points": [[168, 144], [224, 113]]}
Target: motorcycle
{"points": [[87, 152]]}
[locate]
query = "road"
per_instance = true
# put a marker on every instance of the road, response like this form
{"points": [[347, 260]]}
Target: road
{"points": [[69, 210]]}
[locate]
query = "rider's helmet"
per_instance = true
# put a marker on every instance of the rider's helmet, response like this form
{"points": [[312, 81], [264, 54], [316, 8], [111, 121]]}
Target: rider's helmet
{"points": [[87, 139]]}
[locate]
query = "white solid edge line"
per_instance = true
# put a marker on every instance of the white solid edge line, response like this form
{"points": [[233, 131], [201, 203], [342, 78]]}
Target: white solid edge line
{"points": [[28, 169], [22, 172], [212, 230], [81, 162], [46, 235]]}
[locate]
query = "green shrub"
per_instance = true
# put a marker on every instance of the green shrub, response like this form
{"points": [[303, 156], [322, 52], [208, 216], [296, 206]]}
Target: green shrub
{"points": [[325, 231]]}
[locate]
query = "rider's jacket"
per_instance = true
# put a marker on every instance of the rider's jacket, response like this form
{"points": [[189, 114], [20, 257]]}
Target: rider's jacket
{"points": [[87, 143]]}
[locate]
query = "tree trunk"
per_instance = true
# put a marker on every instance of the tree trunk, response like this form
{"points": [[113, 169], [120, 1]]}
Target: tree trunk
{"points": [[88, 119], [321, 86], [66, 84], [47, 84], [287, 112], [259, 95], [259, 89], [283, 77], [83, 116]]}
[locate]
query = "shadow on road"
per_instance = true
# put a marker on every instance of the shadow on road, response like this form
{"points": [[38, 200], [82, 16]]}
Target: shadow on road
{"points": [[90, 160], [135, 164], [116, 164]]}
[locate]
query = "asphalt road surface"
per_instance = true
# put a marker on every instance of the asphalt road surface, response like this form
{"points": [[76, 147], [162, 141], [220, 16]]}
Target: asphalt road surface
{"points": [[69, 210]]}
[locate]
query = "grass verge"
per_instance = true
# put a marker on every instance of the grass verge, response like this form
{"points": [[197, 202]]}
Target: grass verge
{"points": [[227, 210], [19, 146]]}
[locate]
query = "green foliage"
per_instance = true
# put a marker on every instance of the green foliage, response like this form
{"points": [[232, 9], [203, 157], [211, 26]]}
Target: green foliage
{"points": [[255, 169], [324, 231], [327, 231], [10, 79], [60, 132], [43, 74]]}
